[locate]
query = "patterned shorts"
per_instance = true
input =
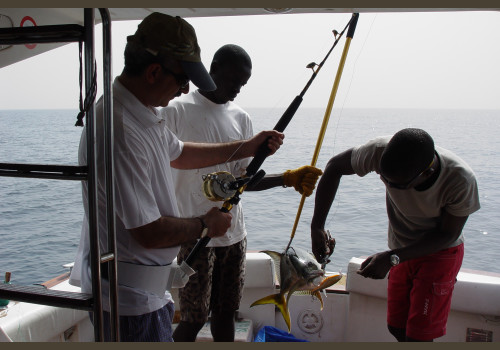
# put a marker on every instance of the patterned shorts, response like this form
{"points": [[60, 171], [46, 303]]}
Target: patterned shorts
{"points": [[217, 284]]}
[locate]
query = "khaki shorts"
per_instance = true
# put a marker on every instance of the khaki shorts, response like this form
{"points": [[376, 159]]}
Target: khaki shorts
{"points": [[217, 284]]}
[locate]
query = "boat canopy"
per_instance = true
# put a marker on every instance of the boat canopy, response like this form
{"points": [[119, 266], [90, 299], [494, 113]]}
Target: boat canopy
{"points": [[23, 17]]}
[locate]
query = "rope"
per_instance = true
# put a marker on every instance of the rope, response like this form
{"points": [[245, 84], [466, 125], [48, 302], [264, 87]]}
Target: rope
{"points": [[90, 93]]}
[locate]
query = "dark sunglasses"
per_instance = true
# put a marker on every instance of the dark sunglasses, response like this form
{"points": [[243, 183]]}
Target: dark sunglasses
{"points": [[425, 173], [181, 79]]}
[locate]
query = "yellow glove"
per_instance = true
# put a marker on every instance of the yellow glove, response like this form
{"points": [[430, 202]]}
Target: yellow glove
{"points": [[303, 179]]}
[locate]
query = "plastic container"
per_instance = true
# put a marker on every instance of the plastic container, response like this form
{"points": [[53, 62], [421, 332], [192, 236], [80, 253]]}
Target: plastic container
{"points": [[269, 334], [5, 302]]}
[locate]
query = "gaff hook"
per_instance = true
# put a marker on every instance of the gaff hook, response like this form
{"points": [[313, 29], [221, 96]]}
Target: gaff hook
{"points": [[350, 34]]}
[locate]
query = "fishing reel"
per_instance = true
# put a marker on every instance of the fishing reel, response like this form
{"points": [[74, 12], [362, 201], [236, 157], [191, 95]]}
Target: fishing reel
{"points": [[223, 186], [220, 186]]}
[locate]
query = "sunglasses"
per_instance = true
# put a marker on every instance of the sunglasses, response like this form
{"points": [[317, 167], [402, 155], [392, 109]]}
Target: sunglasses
{"points": [[425, 173], [181, 79]]}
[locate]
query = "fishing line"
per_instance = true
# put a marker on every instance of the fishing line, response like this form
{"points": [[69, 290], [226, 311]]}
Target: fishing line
{"points": [[338, 202], [231, 156], [263, 150], [350, 84], [291, 83]]}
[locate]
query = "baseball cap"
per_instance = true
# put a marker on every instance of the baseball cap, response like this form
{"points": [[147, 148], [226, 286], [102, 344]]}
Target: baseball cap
{"points": [[159, 32]]}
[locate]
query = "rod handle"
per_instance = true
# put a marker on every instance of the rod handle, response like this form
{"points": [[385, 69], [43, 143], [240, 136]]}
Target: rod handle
{"points": [[263, 150], [202, 243]]}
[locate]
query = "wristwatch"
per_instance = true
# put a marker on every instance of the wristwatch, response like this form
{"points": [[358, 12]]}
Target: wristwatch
{"points": [[394, 259], [204, 228]]}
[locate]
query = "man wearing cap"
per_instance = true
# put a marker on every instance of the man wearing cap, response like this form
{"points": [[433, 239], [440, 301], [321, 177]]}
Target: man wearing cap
{"points": [[212, 116], [160, 60]]}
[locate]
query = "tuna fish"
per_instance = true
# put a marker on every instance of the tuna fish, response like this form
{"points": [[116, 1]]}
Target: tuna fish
{"points": [[298, 272]]}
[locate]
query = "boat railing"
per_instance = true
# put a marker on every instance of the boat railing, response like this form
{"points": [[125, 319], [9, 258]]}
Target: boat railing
{"points": [[83, 34]]}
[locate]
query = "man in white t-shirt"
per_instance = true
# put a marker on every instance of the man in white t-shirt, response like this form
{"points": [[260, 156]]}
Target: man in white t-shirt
{"points": [[160, 60], [430, 192], [212, 116]]}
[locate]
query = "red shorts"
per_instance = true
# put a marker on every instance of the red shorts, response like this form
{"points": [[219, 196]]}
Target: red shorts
{"points": [[419, 293]]}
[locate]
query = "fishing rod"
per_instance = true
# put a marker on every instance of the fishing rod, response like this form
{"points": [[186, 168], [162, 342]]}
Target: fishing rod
{"points": [[349, 36], [263, 151], [253, 175]]}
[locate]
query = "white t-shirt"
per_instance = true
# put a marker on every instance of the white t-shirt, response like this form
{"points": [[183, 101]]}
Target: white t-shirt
{"points": [[144, 191], [412, 213], [194, 118]]}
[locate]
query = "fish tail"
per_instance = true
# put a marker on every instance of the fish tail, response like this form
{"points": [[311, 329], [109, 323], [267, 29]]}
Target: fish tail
{"points": [[278, 300]]}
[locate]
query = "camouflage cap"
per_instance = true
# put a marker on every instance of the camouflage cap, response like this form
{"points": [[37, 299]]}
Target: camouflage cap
{"points": [[175, 37]]}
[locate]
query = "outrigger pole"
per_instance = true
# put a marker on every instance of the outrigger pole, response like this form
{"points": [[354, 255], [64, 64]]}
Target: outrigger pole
{"points": [[350, 34], [253, 175]]}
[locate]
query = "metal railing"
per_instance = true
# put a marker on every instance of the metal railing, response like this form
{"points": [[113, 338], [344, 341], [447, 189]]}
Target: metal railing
{"points": [[82, 301]]}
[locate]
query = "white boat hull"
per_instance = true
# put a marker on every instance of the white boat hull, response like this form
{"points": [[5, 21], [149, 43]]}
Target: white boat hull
{"points": [[353, 312]]}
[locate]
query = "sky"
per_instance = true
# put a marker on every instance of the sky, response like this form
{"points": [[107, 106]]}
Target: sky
{"points": [[395, 60]]}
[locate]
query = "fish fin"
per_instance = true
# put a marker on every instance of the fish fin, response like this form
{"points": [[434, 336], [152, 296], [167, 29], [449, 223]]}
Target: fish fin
{"points": [[280, 302], [276, 257], [270, 299], [293, 290], [317, 294], [328, 282]]}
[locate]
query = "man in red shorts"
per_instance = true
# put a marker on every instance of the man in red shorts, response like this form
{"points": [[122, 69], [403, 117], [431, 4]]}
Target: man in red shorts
{"points": [[430, 192]]}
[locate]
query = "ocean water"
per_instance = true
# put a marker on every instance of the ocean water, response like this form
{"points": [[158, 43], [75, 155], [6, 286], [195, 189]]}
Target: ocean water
{"points": [[40, 220]]}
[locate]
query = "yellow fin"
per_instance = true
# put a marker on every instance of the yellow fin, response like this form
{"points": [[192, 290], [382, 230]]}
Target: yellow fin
{"points": [[280, 302], [328, 282], [317, 294]]}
